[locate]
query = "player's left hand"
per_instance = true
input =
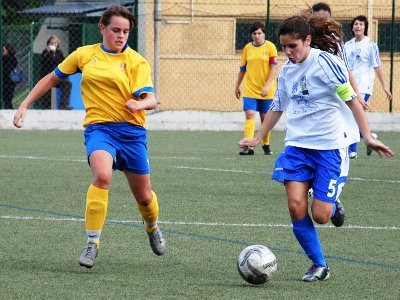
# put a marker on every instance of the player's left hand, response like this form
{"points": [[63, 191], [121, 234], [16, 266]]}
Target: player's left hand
{"points": [[133, 105], [264, 91], [388, 94], [379, 147], [364, 104]]}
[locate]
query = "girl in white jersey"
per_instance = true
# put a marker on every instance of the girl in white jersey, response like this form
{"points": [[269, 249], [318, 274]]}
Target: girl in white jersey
{"points": [[314, 90], [364, 61]]}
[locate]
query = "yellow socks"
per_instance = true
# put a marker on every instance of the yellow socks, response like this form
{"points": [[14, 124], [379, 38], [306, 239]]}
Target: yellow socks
{"points": [[249, 128], [149, 213], [96, 211], [95, 214], [266, 138]]}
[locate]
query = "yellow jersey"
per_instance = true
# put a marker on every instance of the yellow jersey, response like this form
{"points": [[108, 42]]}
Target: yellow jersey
{"points": [[256, 62], [109, 80]]}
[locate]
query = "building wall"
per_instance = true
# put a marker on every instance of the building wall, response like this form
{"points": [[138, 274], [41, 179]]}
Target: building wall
{"points": [[198, 62]]}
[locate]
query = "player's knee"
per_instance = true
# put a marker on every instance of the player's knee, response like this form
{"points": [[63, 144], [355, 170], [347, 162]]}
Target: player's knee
{"points": [[102, 180], [296, 210], [320, 218], [143, 197]]}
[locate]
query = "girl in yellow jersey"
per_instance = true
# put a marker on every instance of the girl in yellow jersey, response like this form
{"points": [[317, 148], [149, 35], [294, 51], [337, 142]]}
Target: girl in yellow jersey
{"points": [[258, 68], [116, 90]]}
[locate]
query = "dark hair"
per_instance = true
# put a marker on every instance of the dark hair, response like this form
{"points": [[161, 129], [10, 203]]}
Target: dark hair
{"points": [[360, 18], [325, 33], [120, 11], [10, 49], [321, 6], [257, 25], [296, 26]]}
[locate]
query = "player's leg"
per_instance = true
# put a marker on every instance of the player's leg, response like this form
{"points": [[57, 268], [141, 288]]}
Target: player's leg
{"points": [[101, 157], [353, 150], [294, 167], [147, 204], [332, 168], [249, 107], [134, 160], [305, 231], [101, 163], [263, 107]]}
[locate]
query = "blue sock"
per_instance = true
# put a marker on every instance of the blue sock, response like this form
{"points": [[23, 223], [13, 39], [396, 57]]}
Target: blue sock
{"points": [[307, 236], [353, 147]]}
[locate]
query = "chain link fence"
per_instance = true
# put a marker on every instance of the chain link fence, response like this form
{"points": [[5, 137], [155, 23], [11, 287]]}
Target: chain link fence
{"points": [[193, 46]]}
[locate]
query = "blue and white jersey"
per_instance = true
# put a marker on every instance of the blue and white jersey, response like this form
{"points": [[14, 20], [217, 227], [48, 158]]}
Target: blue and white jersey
{"points": [[316, 117], [363, 58], [343, 57]]}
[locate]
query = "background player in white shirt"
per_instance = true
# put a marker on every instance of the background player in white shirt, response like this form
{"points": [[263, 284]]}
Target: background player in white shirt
{"points": [[314, 90], [324, 10], [364, 61]]}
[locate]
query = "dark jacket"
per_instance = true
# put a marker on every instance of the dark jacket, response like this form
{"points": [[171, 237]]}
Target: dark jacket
{"points": [[50, 60]]}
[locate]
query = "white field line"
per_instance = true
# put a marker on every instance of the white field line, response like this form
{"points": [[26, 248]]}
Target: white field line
{"points": [[180, 167], [210, 224]]}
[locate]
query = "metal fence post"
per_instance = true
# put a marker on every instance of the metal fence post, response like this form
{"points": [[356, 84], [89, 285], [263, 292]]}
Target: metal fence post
{"points": [[1, 57], [157, 22], [392, 40]]}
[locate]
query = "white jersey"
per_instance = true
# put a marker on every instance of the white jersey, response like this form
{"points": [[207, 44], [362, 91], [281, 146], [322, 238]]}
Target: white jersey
{"points": [[363, 58], [316, 117]]}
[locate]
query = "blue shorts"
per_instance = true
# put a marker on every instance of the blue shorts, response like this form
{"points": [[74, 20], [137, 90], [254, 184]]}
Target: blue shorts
{"points": [[366, 97], [256, 104], [327, 170], [126, 143]]}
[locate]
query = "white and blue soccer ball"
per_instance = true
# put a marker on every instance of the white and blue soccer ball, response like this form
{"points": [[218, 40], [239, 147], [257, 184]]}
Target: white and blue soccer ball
{"points": [[257, 264]]}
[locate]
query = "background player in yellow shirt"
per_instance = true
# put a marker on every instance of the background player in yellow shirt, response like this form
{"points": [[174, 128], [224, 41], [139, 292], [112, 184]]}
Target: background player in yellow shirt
{"points": [[116, 90], [258, 68]]}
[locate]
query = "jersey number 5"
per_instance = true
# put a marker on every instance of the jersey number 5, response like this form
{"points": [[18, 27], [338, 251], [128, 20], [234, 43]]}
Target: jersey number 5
{"points": [[332, 189]]}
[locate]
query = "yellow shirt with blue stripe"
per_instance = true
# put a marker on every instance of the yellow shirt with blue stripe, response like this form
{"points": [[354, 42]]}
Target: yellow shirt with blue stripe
{"points": [[109, 80], [256, 62]]}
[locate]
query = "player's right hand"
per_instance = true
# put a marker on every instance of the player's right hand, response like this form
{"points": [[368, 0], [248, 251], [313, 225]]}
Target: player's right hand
{"points": [[237, 93], [19, 117], [248, 142]]}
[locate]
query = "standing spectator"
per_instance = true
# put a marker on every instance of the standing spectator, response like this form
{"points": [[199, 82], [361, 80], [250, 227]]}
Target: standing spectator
{"points": [[363, 56], [51, 57], [9, 63], [258, 68]]}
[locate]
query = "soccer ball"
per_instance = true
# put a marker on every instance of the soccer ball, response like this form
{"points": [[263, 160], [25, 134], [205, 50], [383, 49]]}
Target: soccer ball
{"points": [[257, 264]]}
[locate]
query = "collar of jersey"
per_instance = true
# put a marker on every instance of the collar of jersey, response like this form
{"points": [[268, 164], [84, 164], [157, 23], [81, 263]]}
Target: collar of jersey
{"points": [[254, 45], [111, 51]]}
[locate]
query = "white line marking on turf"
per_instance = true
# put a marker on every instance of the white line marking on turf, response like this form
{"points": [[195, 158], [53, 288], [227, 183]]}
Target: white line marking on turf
{"points": [[212, 224], [44, 158], [182, 167], [244, 171], [217, 170], [374, 180]]}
